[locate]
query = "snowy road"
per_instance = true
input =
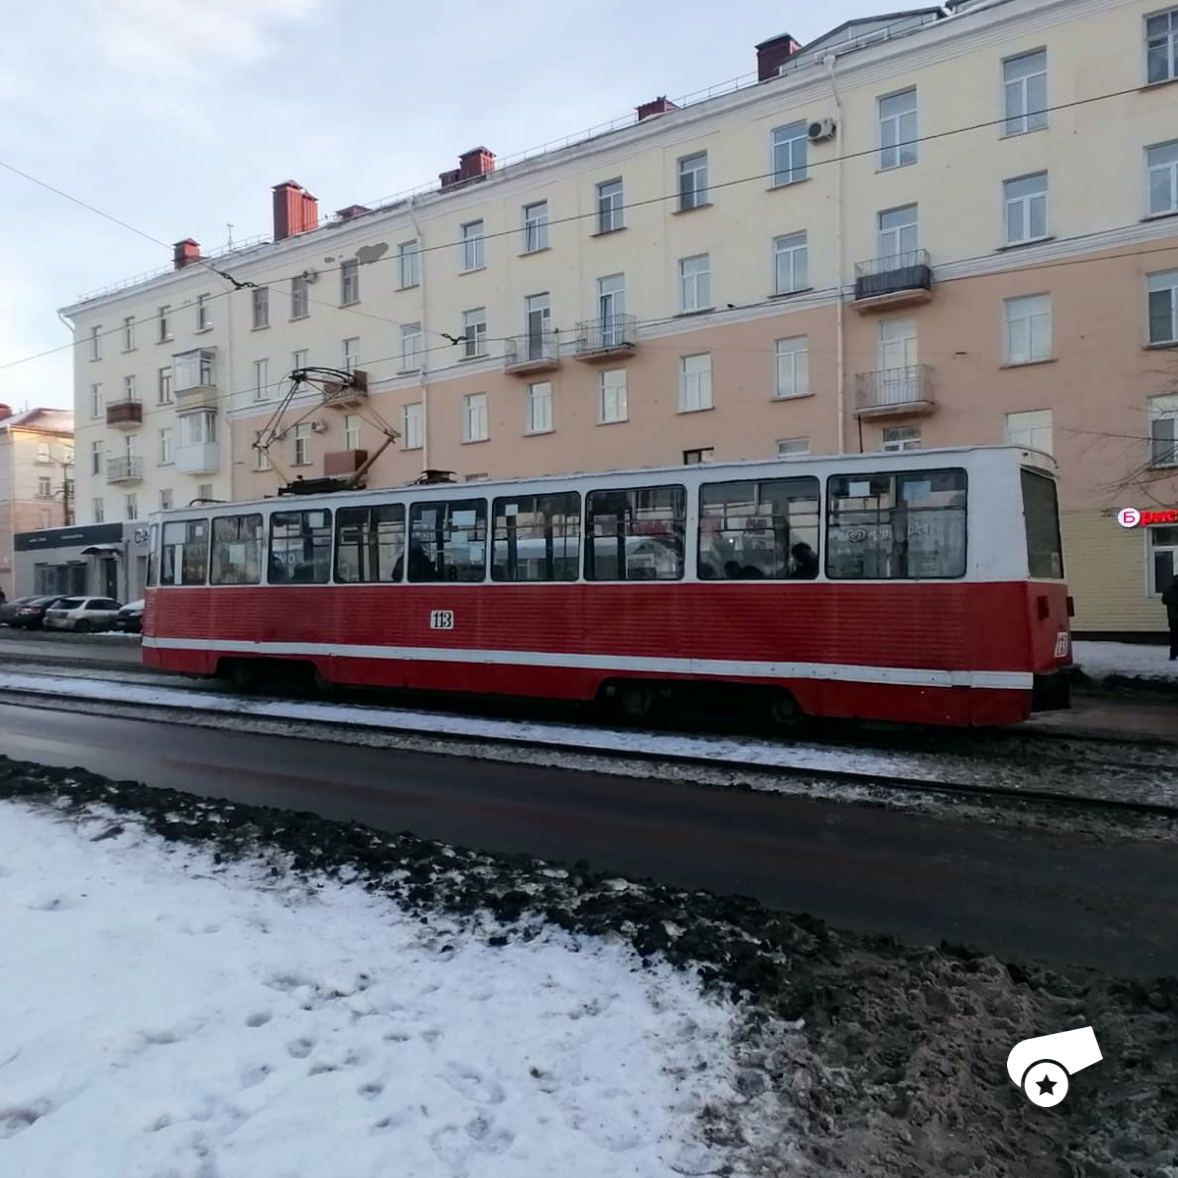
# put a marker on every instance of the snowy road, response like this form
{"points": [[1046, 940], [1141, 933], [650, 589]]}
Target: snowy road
{"points": [[1059, 895]]}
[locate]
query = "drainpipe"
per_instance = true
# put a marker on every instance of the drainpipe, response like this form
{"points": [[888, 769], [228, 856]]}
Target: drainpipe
{"points": [[840, 352], [423, 372]]}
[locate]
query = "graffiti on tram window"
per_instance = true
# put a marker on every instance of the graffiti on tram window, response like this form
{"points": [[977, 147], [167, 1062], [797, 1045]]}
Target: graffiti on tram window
{"points": [[901, 525]]}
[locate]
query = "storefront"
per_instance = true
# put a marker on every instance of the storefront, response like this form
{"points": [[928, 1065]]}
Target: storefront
{"points": [[106, 560]]}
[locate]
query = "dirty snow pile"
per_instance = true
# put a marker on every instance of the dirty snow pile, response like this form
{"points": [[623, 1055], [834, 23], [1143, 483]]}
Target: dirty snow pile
{"points": [[166, 1014], [1131, 660]]}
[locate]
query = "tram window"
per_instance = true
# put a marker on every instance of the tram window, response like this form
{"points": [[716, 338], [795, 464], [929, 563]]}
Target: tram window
{"points": [[893, 526], [300, 547], [448, 540], [759, 530], [1041, 512], [237, 550], [185, 552], [369, 543], [153, 560], [536, 537], [635, 534]]}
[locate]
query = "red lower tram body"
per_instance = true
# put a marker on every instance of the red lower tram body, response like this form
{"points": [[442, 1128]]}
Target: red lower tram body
{"points": [[954, 653]]}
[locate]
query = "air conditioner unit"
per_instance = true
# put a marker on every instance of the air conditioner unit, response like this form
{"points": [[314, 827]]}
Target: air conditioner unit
{"points": [[821, 130], [310, 276], [319, 427]]}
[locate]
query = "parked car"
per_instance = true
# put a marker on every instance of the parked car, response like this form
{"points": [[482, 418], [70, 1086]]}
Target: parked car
{"points": [[9, 608], [82, 614], [130, 618], [30, 615]]}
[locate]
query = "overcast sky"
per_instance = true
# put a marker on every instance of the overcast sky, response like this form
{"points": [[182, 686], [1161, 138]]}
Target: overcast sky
{"points": [[177, 116]]}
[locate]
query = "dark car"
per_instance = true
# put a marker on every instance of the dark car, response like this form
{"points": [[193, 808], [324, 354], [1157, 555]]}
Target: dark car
{"points": [[30, 614], [8, 610], [130, 618]]}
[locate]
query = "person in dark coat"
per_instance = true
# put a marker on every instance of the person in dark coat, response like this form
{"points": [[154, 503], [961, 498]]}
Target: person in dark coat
{"points": [[1170, 601], [805, 562]]}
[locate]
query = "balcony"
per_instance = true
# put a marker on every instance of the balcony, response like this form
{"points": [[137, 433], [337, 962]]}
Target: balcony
{"points": [[124, 414], [895, 392], [124, 470], [538, 351], [198, 458], [900, 280], [611, 338], [201, 396]]}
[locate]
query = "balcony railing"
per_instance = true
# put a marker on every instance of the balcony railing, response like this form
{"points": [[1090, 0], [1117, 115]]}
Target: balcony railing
{"points": [[603, 339], [894, 280], [124, 470], [895, 392], [537, 351], [124, 414]]}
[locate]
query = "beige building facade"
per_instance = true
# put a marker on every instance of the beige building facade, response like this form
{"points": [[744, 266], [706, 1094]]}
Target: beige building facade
{"points": [[921, 230]]}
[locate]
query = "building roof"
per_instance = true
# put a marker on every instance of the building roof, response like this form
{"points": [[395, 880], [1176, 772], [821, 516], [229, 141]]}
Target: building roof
{"points": [[46, 421], [850, 30]]}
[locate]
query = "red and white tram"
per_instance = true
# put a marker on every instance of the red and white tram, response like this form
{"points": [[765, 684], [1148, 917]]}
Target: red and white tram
{"points": [[924, 586]]}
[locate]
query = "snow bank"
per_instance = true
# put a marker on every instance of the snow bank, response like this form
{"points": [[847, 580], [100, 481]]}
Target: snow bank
{"points": [[166, 1015], [1130, 660]]}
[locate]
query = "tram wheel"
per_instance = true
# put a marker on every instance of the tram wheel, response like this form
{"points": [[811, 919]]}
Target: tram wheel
{"points": [[634, 702], [245, 674], [784, 713]]}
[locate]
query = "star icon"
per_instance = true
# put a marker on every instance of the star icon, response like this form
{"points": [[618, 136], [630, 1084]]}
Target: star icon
{"points": [[1046, 1086]]}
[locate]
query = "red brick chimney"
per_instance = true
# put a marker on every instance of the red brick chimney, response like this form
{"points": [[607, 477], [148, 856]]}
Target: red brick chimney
{"points": [[184, 253], [772, 54], [472, 165], [295, 210], [658, 106], [5, 411]]}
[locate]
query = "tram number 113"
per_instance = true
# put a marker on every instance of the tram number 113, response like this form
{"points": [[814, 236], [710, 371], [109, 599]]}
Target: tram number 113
{"points": [[441, 619]]}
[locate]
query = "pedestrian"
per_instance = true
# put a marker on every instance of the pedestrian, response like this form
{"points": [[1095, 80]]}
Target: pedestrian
{"points": [[3, 599], [1170, 601], [805, 562]]}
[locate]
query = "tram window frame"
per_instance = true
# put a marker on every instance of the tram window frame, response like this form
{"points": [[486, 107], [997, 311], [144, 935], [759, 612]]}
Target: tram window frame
{"points": [[319, 546], [622, 556], [896, 480], [368, 549], [194, 554], [426, 570], [219, 545], [153, 556], [789, 563], [554, 505], [1036, 524]]}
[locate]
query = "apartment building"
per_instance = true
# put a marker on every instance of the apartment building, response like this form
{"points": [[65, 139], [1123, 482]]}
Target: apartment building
{"points": [[36, 458], [933, 228]]}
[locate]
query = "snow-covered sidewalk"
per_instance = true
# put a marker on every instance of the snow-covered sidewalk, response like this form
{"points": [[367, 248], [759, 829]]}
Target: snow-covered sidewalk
{"points": [[165, 1014], [1126, 660]]}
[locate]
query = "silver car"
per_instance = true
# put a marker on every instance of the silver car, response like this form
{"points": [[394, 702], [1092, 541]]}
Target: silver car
{"points": [[82, 614]]}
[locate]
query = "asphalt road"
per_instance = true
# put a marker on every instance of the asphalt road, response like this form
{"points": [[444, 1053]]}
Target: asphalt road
{"points": [[1059, 897], [59, 646]]}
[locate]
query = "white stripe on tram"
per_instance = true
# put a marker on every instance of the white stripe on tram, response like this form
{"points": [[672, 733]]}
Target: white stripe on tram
{"points": [[907, 676]]}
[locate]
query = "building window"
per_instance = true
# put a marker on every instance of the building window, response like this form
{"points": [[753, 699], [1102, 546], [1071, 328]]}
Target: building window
{"points": [[1026, 208], [474, 333], [96, 457], [130, 388], [129, 333], [696, 457], [897, 236], [411, 350], [96, 409], [695, 283], [98, 511], [261, 456], [474, 417], [1163, 418], [609, 207], [164, 333], [897, 130], [611, 307], [131, 506], [902, 437], [45, 453], [261, 380], [198, 429], [412, 434], [611, 396], [535, 227], [165, 446], [538, 417], [96, 343], [792, 447], [1027, 329], [1163, 559], [1032, 430], [789, 153], [693, 181], [302, 434], [261, 306], [1163, 307], [695, 382], [351, 353], [192, 370], [472, 246], [166, 499], [1161, 45], [790, 264], [351, 432], [204, 492], [203, 320], [408, 265], [298, 360], [792, 367], [349, 282], [44, 486], [1161, 168], [164, 385], [299, 299], [1024, 92]]}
